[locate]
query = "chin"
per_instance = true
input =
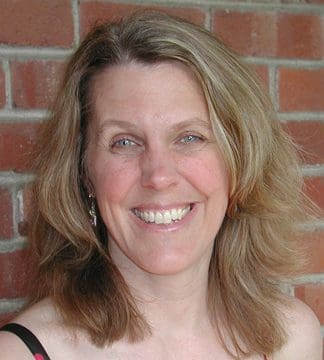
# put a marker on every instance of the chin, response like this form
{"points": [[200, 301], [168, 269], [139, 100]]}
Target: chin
{"points": [[169, 265]]}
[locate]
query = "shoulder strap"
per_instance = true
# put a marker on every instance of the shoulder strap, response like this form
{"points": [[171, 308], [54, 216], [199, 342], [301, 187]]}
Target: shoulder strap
{"points": [[29, 339]]}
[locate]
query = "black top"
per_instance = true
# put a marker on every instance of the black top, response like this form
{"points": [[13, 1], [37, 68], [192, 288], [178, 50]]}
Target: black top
{"points": [[29, 339]]}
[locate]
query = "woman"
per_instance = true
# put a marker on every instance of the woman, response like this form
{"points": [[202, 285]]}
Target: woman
{"points": [[168, 200]]}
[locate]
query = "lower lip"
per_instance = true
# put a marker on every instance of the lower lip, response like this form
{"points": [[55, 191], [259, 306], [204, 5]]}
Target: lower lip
{"points": [[174, 226]]}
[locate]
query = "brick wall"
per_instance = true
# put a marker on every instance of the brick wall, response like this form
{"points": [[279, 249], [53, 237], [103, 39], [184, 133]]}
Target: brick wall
{"points": [[283, 40]]}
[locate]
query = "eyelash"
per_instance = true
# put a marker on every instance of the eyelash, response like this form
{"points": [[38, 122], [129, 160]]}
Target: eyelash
{"points": [[125, 143], [193, 138], [121, 143]]}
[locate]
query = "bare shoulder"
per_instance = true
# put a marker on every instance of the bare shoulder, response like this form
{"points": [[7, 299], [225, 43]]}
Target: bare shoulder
{"points": [[45, 322], [39, 319], [304, 334], [13, 348]]}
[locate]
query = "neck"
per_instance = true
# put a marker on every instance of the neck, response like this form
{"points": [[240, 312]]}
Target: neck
{"points": [[170, 303]]}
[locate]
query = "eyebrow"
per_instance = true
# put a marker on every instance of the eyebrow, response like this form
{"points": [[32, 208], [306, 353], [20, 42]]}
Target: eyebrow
{"points": [[191, 122], [111, 123]]}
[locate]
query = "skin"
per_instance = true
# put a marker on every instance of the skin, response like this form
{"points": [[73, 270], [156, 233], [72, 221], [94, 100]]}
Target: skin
{"points": [[151, 147]]}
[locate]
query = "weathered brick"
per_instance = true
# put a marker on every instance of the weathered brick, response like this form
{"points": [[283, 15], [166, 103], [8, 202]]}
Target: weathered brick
{"points": [[2, 88], [93, 12], [301, 89], [6, 317], [17, 144], [300, 36], [314, 187], [262, 72], [309, 136], [314, 246], [271, 34], [14, 274], [6, 218], [313, 295], [35, 83], [36, 23], [256, 35]]}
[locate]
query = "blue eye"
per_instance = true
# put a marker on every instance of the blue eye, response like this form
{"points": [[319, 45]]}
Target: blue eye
{"points": [[124, 143], [125, 146], [190, 139]]}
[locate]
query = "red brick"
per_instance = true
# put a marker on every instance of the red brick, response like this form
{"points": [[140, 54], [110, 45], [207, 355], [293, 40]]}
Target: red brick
{"points": [[25, 209], [300, 36], [36, 22], [2, 88], [6, 317], [271, 34], [93, 12], [263, 74], [314, 187], [6, 220], [35, 83], [301, 89], [14, 274], [313, 295], [17, 143], [314, 246], [256, 35], [309, 136]]}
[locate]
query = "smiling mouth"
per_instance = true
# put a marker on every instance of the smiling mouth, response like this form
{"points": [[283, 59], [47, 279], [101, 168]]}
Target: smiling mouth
{"points": [[164, 217]]}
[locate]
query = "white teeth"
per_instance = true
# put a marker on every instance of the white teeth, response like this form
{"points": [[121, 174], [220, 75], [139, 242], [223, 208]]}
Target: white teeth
{"points": [[146, 216], [174, 214], [167, 217], [151, 216], [162, 217], [158, 218]]}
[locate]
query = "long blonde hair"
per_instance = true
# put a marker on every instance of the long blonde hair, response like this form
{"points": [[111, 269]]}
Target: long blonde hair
{"points": [[255, 247]]}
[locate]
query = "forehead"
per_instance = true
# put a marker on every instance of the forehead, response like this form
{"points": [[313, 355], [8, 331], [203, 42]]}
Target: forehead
{"points": [[134, 89]]}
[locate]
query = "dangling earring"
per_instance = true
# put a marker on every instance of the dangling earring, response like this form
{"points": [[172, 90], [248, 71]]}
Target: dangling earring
{"points": [[92, 211]]}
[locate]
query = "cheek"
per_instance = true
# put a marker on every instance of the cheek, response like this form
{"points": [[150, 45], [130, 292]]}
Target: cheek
{"points": [[112, 178], [207, 173]]}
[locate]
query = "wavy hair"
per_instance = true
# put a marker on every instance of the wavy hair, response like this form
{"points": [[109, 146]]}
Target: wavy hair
{"points": [[256, 246]]}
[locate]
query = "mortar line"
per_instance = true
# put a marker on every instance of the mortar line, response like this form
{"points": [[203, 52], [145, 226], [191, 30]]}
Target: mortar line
{"points": [[76, 21], [273, 86], [313, 170], [287, 62], [20, 115], [308, 279], [8, 88], [301, 116], [10, 178], [11, 305], [208, 19], [12, 245], [14, 203], [41, 53]]}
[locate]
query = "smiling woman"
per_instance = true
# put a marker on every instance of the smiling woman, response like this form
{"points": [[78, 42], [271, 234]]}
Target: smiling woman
{"points": [[168, 207], [159, 159]]}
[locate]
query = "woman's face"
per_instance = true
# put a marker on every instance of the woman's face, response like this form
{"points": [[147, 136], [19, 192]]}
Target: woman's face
{"points": [[159, 180]]}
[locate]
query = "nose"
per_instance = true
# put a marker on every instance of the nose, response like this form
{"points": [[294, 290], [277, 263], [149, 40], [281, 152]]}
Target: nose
{"points": [[158, 169]]}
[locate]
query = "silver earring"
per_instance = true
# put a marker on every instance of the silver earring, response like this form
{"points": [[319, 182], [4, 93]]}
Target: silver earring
{"points": [[92, 211]]}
